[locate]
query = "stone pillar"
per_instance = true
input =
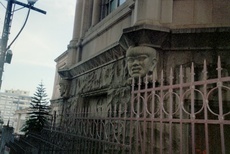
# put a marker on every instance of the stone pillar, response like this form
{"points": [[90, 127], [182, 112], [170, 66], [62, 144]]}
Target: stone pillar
{"points": [[147, 12], [77, 20], [86, 21], [96, 12], [86, 16], [72, 47], [82, 22]]}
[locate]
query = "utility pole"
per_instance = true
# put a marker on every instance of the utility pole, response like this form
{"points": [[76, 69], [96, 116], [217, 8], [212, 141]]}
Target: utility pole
{"points": [[6, 29]]}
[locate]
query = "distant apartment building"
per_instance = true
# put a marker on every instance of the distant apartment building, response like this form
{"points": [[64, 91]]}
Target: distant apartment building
{"points": [[10, 101]]}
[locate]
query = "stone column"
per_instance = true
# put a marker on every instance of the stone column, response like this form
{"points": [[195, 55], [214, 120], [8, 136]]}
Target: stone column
{"points": [[86, 21], [77, 20], [86, 16], [72, 47], [96, 12], [82, 22]]}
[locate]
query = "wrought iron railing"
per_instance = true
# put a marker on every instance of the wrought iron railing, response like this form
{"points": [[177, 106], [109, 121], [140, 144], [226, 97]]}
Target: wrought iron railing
{"points": [[187, 117]]}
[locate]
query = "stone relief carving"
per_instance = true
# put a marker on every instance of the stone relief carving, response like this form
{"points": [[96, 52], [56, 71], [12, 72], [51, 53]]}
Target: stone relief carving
{"points": [[89, 87], [108, 76], [141, 60], [64, 86]]}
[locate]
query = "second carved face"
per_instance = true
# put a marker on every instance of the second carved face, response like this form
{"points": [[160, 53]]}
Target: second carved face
{"points": [[141, 60]]}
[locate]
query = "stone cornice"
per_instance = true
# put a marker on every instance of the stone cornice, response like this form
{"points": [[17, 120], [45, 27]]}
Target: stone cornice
{"points": [[61, 56], [198, 39], [114, 52], [148, 35], [95, 92]]}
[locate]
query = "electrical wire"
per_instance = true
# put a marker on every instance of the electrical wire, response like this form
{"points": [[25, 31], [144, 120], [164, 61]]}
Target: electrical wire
{"points": [[27, 16], [3, 5]]}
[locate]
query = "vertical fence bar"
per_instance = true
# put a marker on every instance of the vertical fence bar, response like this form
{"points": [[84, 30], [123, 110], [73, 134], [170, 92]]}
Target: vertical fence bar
{"points": [[153, 91], [124, 128], [192, 109], [100, 135], [145, 116], [180, 107], [221, 118], [131, 117], [119, 126], [137, 146], [138, 98], [113, 123], [205, 102], [170, 109], [161, 112]]}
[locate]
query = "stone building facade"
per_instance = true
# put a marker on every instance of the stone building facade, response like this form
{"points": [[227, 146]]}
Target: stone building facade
{"points": [[181, 31], [93, 72]]}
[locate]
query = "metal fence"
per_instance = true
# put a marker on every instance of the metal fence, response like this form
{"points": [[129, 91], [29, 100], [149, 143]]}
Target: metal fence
{"points": [[187, 117], [191, 117]]}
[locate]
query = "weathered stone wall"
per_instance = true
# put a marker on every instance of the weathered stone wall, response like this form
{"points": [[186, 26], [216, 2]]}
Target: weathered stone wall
{"points": [[94, 91], [107, 84]]}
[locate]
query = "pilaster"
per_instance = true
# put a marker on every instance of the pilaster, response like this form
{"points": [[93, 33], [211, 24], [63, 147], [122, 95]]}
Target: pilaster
{"points": [[86, 19], [77, 20], [96, 12]]}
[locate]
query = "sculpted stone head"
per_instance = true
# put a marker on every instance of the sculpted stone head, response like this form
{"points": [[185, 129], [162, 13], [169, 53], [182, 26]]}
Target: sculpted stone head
{"points": [[64, 88], [141, 60]]}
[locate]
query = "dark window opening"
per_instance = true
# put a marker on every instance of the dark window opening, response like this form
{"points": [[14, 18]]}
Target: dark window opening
{"points": [[110, 5]]}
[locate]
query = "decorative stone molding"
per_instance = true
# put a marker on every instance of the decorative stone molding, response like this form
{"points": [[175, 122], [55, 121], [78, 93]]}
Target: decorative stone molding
{"points": [[148, 35], [104, 58], [95, 92], [199, 39]]}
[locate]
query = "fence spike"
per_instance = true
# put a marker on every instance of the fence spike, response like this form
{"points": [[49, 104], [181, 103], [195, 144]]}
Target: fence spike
{"points": [[162, 78], [153, 78], [205, 72], [139, 80], [171, 76], [146, 80], [219, 68], [192, 72], [181, 76], [133, 82]]}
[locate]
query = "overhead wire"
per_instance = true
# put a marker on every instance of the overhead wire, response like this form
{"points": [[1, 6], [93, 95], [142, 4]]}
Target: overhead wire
{"points": [[27, 16]]}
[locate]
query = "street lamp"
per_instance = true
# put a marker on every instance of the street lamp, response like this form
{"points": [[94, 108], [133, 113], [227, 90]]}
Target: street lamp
{"points": [[32, 2], [6, 30]]}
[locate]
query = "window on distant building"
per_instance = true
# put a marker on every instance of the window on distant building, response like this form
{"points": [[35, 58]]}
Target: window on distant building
{"points": [[109, 5]]}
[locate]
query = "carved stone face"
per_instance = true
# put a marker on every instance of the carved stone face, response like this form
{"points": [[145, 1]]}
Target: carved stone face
{"points": [[141, 60], [63, 88]]}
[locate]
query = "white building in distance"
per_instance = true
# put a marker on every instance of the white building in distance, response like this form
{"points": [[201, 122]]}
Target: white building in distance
{"points": [[10, 101], [19, 120]]}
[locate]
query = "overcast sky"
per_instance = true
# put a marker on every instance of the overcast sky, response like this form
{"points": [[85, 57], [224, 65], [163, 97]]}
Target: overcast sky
{"points": [[43, 39]]}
